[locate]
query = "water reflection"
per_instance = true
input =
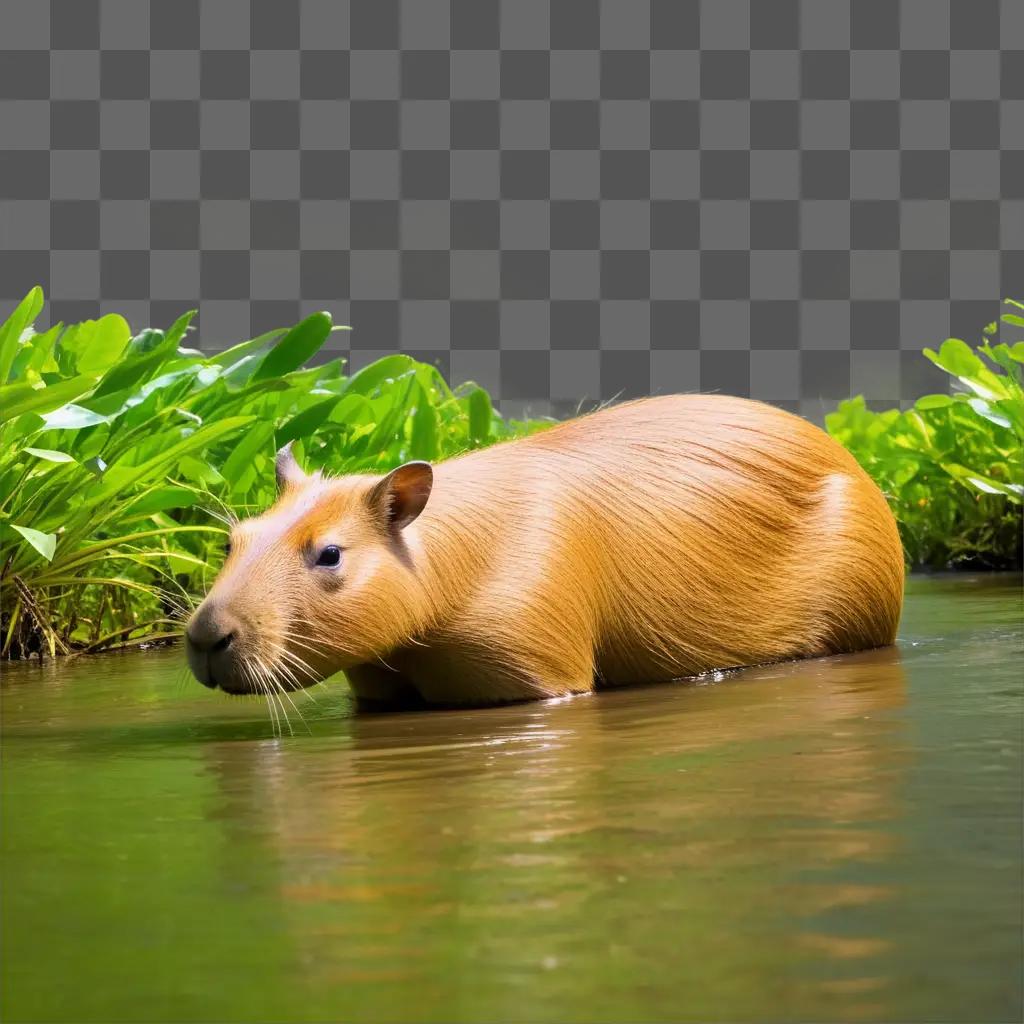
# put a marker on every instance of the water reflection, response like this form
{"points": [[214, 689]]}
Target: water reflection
{"points": [[837, 839], [459, 856]]}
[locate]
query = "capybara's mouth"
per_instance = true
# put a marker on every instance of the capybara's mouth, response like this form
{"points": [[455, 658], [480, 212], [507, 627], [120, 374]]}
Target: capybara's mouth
{"points": [[252, 684]]}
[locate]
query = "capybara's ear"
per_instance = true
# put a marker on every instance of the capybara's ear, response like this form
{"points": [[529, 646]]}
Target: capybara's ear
{"points": [[288, 471], [402, 494]]}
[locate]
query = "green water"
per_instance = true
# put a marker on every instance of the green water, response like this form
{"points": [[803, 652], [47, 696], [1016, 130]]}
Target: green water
{"points": [[838, 839]]}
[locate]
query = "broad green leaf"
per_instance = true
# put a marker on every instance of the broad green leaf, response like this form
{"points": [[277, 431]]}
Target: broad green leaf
{"points": [[933, 402], [986, 484], [371, 377], [93, 345], [480, 415], [247, 348], [245, 451], [91, 552], [145, 342], [118, 478], [956, 357], [35, 355], [147, 352], [299, 344], [49, 455], [959, 359], [395, 409], [200, 472], [11, 329], [306, 423], [1003, 356], [423, 436], [44, 543], [72, 417], [993, 415], [116, 403], [179, 328], [989, 487], [352, 410], [18, 399], [160, 499]]}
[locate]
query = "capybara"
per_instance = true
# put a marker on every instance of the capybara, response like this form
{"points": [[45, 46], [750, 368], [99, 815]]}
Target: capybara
{"points": [[648, 541]]}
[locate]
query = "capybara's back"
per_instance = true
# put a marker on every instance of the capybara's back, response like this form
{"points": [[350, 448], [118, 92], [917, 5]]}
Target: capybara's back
{"points": [[648, 541], [722, 532], [665, 538]]}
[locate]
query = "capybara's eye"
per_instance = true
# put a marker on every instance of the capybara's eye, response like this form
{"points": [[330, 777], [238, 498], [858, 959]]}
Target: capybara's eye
{"points": [[330, 556]]}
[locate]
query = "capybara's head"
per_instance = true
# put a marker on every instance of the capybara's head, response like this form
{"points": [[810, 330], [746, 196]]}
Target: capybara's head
{"points": [[317, 584]]}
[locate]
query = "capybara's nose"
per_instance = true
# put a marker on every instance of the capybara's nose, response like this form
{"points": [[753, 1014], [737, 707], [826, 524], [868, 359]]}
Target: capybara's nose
{"points": [[209, 632], [208, 639]]}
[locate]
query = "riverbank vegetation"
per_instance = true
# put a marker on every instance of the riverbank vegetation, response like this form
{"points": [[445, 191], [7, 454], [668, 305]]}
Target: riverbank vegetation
{"points": [[122, 458], [952, 467]]}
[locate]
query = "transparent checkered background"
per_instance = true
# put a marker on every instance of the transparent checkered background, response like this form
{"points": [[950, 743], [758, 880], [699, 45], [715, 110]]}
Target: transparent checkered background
{"points": [[566, 200]]}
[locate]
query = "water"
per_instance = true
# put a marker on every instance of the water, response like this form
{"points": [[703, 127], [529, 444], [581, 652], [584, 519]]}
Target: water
{"points": [[838, 839]]}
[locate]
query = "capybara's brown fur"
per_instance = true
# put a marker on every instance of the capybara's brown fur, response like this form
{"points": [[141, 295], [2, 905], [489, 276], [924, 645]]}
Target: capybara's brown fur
{"points": [[649, 541]]}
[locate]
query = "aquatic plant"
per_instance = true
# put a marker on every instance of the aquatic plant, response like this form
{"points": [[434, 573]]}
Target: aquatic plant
{"points": [[121, 458], [952, 466]]}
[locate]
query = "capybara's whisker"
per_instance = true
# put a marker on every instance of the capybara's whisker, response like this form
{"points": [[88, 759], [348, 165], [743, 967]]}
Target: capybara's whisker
{"points": [[262, 687]]}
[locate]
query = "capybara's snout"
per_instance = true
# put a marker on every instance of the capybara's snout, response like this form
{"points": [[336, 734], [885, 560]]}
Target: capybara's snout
{"points": [[212, 641]]}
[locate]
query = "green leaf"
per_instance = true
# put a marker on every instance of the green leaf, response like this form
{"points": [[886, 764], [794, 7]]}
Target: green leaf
{"points": [[245, 451], [36, 355], [299, 344], [933, 402], [93, 345], [956, 357], [44, 543], [371, 377], [146, 341], [72, 417], [199, 471], [118, 478], [480, 415], [985, 484], [229, 357], [395, 408], [147, 352], [11, 329], [993, 415], [352, 410], [305, 424], [423, 435], [49, 455], [161, 499], [18, 399], [1003, 357], [991, 487]]}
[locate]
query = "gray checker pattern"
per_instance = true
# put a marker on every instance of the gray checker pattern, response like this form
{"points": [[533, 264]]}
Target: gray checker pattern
{"points": [[566, 200]]}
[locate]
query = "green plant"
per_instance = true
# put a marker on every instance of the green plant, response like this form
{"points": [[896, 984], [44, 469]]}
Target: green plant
{"points": [[122, 455], [952, 465], [119, 453]]}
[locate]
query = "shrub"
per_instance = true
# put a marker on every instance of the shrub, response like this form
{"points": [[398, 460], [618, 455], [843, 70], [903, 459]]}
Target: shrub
{"points": [[115, 450], [952, 466]]}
